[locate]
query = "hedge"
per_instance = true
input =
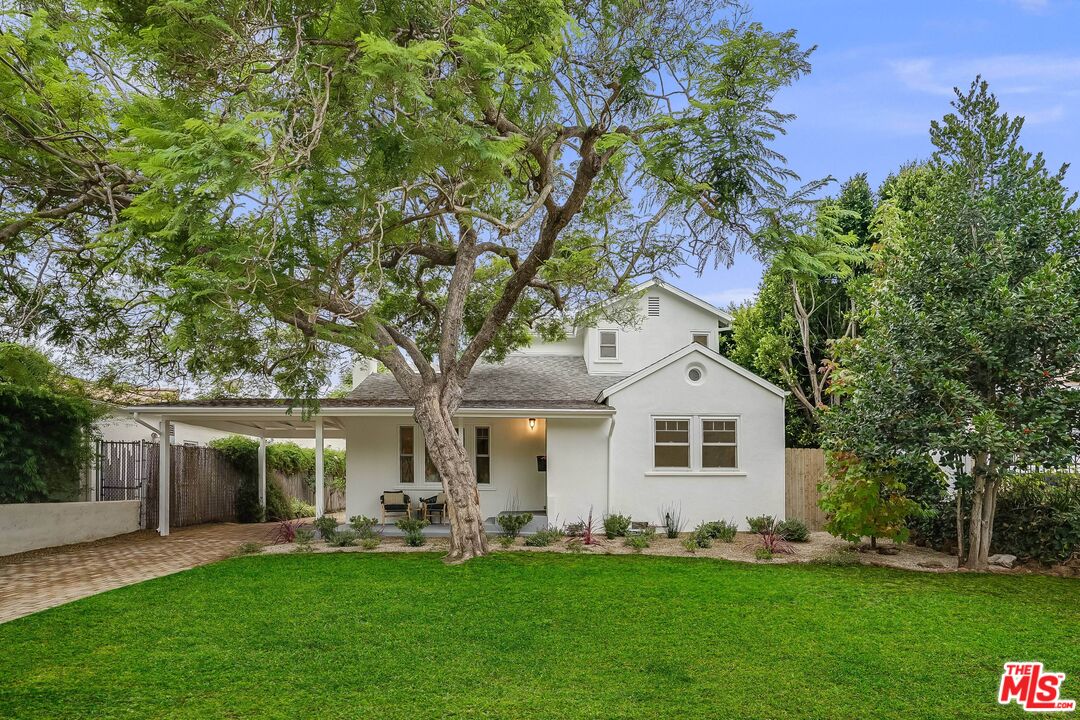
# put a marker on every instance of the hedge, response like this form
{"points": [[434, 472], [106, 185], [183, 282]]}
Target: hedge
{"points": [[1037, 518], [46, 441]]}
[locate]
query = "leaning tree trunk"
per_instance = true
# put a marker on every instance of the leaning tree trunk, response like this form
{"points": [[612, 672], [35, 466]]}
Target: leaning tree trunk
{"points": [[451, 460]]}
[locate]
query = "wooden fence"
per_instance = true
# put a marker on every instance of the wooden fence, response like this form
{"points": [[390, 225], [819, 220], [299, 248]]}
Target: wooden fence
{"points": [[203, 486], [297, 486], [804, 470]]}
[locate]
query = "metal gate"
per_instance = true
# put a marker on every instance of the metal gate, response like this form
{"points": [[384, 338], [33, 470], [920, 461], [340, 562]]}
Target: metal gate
{"points": [[123, 470]]}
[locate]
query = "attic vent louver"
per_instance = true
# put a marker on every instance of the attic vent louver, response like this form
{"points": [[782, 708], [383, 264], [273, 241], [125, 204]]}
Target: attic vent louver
{"points": [[654, 307]]}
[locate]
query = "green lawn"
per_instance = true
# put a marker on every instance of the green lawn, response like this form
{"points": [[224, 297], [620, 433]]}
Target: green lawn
{"points": [[538, 636]]}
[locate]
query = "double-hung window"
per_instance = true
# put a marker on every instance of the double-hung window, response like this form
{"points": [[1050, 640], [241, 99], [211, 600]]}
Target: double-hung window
{"points": [[406, 452], [719, 444], [609, 345], [671, 443], [698, 444], [482, 436]]}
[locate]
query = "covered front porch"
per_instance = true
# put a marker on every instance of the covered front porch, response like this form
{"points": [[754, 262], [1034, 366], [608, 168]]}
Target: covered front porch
{"points": [[551, 462]]}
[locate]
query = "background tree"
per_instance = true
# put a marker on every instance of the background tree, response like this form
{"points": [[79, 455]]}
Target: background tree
{"points": [[803, 305], [425, 184], [971, 329]]}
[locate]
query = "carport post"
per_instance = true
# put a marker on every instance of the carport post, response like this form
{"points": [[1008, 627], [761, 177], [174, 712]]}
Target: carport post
{"points": [[164, 467], [262, 472], [320, 483]]}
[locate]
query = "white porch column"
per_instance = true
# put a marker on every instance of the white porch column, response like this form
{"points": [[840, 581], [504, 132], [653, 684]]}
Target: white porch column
{"points": [[262, 471], [320, 483], [164, 467]]}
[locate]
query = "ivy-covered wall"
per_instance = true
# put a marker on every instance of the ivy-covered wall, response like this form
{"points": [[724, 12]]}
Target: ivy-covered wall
{"points": [[46, 429]]}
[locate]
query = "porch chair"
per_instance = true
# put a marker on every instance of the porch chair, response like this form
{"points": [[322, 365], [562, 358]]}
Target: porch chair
{"points": [[434, 504], [394, 502]]}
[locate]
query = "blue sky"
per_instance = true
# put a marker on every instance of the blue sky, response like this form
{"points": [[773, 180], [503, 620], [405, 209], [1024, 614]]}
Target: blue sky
{"points": [[883, 70]]}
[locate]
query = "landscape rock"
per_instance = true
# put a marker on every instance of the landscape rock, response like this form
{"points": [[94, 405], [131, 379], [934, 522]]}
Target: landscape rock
{"points": [[1002, 560]]}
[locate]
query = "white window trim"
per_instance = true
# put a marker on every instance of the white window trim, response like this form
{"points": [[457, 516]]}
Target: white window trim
{"points": [[415, 438], [472, 452], [599, 344], [696, 437], [708, 337], [701, 443], [689, 442]]}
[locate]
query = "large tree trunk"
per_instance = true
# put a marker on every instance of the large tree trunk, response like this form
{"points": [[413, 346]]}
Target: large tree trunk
{"points": [[983, 502], [467, 539]]}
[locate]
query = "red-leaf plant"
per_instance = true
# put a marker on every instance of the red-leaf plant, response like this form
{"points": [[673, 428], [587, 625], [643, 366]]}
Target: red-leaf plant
{"points": [[286, 531], [588, 531], [773, 540]]}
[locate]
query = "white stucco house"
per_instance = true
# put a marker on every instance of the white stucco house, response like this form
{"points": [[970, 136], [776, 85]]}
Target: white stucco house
{"points": [[629, 419]]}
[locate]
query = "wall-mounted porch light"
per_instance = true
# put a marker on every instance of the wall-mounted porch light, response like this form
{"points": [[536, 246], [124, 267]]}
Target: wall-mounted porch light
{"points": [[532, 423]]}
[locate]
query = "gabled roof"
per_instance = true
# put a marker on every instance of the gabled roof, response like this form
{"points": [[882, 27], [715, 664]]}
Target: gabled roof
{"points": [[678, 355], [644, 287]]}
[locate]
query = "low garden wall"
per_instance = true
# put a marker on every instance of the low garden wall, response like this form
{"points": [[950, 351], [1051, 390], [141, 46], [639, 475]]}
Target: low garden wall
{"points": [[30, 526]]}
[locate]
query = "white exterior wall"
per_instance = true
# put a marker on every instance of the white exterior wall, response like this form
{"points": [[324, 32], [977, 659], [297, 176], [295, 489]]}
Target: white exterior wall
{"points": [[756, 488], [372, 464], [653, 338], [30, 526], [577, 468]]}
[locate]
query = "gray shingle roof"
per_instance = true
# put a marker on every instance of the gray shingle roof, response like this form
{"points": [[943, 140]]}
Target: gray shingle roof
{"points": [[556, 382], [533, 381]]}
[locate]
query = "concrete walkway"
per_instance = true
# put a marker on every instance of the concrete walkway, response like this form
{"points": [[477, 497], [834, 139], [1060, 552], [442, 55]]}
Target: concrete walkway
{"points": [[41, 579]]}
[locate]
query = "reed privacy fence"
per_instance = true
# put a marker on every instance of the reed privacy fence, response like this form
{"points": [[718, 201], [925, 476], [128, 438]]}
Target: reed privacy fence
{"points": [[203, 488], [804, 469], [299, 486]]}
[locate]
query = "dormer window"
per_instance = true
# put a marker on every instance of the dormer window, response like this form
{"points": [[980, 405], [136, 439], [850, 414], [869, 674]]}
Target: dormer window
{"points": [[654, 306], [609, 345]]}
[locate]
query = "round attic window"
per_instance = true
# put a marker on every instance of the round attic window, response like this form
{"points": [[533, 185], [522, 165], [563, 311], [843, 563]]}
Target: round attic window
{"points": [[695, 374]]}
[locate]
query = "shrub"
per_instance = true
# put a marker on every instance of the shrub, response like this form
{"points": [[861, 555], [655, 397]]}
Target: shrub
{"points": [[701, 536], [575, 545], [364, 526], [638, 542], [616, 525], [512, 522], [576, 529], [794, 530], [286, 531], [772, 541], [327, 526], [506, 540], [414, 530], [760, 522], [673, 520], [342, 538], [301, 509], [721, 530], [249, 548], [370, 543], [46, 428], [691, 543], [545, 537], [1037, 518], [278, 506], [763, 553], [303, 539], [863, 499]]}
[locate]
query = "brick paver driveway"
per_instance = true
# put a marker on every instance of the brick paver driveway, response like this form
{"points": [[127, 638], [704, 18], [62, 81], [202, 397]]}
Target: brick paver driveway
{"points": [[41, 579]]}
